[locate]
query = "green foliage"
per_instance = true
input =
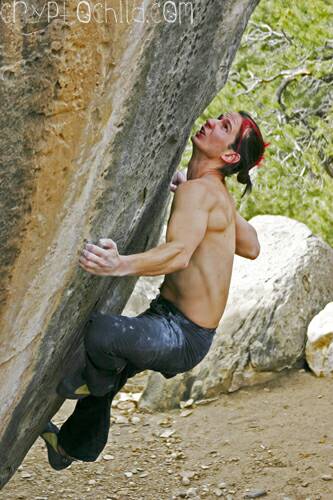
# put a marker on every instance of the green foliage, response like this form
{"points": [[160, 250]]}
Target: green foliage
{"points": [[283, 76]]}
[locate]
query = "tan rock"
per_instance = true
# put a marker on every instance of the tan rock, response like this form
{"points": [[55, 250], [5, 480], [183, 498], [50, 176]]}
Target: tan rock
{"points": [[94, 118]]}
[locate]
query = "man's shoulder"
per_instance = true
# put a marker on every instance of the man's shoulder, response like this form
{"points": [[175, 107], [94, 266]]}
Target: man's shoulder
{"points": [[193, 184], [214, 192], [196, 192]]}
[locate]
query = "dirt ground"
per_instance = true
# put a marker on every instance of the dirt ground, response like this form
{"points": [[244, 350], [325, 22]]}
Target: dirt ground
{"points": [[273, 441]]}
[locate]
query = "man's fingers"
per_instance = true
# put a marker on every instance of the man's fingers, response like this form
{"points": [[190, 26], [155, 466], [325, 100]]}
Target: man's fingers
{"points": [[92, 250], [92, 259], [86, 262], [91, 270], [107, 243], [91, 267], [96, 250], [177, 179], [97, 260]]}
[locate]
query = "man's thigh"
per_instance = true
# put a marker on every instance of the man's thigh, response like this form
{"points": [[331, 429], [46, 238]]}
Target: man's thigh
{"points": [[147, 341]]}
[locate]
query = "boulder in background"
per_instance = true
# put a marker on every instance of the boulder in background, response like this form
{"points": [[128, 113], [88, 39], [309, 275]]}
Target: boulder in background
{"points": [[263, 329]]}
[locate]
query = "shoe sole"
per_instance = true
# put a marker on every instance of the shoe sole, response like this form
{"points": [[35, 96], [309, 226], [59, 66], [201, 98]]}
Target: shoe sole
{"points": [[68, 390], [50, 437]]}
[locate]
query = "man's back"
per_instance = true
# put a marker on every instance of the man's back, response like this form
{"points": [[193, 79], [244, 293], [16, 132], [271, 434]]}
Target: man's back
{"points": [[201, 289]]}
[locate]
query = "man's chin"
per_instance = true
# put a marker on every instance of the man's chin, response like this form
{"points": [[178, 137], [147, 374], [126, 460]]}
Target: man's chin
{"points": [[195, 140], [198, 147]]}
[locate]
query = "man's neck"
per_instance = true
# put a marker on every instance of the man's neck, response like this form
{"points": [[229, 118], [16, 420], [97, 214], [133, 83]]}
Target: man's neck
{"points": [[199, 166]]}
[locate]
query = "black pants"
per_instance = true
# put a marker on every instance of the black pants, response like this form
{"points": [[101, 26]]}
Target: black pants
{"points": [[117, 347]]}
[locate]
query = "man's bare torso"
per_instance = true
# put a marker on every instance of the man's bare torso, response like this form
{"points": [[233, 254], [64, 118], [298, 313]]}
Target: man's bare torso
{"points": [[201, 290]]}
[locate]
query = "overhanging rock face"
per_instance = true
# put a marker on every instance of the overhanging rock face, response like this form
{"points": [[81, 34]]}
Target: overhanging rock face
{"points": [[271, 301], [94, 117]]}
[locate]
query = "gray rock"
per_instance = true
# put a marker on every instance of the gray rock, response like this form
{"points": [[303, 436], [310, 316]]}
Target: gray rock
{"points": [[327, 477], [217, 492], [192, 492], [263, 330], [319, 345], [255, 494], [88, 151]]}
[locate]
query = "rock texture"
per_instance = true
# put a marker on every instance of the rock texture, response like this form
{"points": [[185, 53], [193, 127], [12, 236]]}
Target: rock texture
{"points": [[319, 345], [95, 113], [263, 329]]}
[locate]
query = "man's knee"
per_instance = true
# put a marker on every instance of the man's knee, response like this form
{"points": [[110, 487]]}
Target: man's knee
{"points": [[95, 334]]}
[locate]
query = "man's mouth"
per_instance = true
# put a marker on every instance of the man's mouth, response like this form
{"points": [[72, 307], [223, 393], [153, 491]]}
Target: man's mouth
{"points": [[201, 131]]}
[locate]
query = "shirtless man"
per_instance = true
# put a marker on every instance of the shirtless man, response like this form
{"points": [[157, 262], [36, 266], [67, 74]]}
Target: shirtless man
{"points": [[204, 232]]}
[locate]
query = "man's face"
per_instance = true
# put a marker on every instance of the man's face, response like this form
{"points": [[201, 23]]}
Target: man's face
{"points": [[217, 134]]}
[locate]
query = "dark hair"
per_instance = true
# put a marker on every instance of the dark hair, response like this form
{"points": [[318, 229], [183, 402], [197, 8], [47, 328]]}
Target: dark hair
{"points": [[250, 144]]}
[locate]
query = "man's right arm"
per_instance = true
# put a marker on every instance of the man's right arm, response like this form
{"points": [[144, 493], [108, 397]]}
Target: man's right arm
{"points": [[247, 243]]}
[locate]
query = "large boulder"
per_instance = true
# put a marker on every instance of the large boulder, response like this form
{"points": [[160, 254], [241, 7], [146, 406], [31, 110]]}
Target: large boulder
{"points": [[263, 329], [96, 108], [319, 344]]}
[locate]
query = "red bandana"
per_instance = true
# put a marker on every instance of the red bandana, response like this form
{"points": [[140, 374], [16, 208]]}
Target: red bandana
{"points": [[246, 124]]}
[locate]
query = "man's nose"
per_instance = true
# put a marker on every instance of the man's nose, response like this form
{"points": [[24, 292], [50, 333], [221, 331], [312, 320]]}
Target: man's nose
{"points": [[211, 122]]}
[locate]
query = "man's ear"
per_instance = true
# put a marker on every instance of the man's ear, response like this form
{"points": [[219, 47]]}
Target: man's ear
{"points": [[230, 157]]}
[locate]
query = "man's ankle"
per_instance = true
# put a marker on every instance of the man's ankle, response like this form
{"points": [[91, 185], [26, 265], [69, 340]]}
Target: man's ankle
{"points": [[63, 453]]}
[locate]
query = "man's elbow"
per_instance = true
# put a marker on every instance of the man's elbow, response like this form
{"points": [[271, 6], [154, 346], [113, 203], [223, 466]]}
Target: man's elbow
{"points": [[180, 261], [183, 261], [255, 251]]}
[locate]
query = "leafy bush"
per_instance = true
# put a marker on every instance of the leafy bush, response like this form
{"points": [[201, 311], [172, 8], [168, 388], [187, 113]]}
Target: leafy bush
{"points": [[283, 76]]}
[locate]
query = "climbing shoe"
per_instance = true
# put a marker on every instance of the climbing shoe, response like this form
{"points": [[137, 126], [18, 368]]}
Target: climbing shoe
{"points": [[73, 387], [57, 460]]}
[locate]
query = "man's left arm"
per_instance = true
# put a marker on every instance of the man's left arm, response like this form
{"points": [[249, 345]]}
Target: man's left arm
{"points": [[247, 243], [186, 229]]}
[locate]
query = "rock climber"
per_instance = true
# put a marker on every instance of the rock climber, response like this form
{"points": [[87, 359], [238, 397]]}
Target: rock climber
{"points": [[175, 333]]}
